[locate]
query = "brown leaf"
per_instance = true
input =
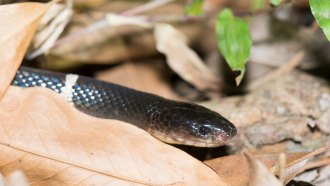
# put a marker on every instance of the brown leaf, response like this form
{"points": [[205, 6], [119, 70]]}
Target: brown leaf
{"points": [[91, 39], [316, 177], [50, 28], [183, 60], [235, 169], [41, 170], [42, 126], [259, 174], [147, 76], [18, 23], [297, 162]]}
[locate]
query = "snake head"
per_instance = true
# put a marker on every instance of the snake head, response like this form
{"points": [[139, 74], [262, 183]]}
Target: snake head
{"points": [[191, 124]]}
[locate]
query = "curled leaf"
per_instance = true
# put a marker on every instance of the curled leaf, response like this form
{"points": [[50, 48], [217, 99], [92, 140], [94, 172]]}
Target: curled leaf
{"points": [[183, 60]]}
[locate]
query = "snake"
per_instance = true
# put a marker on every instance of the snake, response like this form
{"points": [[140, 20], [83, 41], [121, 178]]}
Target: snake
{"points": [[170, 121]]}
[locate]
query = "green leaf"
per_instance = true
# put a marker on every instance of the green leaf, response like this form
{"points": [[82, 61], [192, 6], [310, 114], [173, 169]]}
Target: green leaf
{"points": [[234, 41], [195, 8], [275, 2], [321, 12], [257, 4]]}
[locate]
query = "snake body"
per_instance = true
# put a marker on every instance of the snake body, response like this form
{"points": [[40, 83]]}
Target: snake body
{"points": [[170, 121]]}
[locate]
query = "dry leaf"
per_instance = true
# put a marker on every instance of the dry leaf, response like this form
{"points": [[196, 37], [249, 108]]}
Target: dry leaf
{"points": [[147, 76], [183, 60], [50, 28], [297, 162], [259, 175], [18, 23], [316, 177], [104, 44], [234, 169], [39, 122], [91, 39], [41, 170], [308, 176]]}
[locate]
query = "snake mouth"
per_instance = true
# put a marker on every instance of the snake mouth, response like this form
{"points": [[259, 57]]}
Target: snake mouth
{"points": [[181, 141], [219, 139]]}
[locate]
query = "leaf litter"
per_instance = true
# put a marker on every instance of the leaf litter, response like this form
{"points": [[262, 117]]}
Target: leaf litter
{"points": [[40, 128]]}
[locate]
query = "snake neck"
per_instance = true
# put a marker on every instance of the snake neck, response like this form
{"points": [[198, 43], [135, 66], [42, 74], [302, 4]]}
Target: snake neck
{"points": [[96, 98]]}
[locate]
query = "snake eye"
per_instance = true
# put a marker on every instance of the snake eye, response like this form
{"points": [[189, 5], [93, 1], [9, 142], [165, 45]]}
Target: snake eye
{"points": [[204, 130]]}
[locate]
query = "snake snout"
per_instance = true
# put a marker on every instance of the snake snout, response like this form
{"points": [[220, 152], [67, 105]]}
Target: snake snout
{"points": [[225, 134]]}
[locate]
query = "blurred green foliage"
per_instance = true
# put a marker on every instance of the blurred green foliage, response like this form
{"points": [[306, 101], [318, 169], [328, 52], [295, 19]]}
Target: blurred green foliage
{"points": [[275, 2], [195, 8]]}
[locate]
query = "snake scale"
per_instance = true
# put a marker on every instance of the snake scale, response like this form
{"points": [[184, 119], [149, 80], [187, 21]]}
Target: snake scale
{"points": [[170, 121]]}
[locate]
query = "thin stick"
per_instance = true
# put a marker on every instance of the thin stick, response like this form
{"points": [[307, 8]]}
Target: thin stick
{"points": [[145, 7], [284, 69], [282, 162]]}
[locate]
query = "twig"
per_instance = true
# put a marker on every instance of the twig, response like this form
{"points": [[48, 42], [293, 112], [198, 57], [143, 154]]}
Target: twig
{"points": [[316, 164], [104, 22], [284, 69], [282, 162], [145, 7]]}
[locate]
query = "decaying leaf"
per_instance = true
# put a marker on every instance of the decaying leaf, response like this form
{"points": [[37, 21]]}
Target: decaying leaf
{"points": [[320, 178], [182, 59], [234, 169], [50, 28], [39, 122], [18, 23]]}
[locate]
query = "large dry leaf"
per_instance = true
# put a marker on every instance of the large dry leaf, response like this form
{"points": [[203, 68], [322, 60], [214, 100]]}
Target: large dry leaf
{"points": [[182, 59], [41, 170], [18, 23], [235, 169], [38, 123]]}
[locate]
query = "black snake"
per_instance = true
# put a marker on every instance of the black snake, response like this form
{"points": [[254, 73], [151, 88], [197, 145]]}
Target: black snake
{"points": [[170, 121]]}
